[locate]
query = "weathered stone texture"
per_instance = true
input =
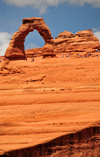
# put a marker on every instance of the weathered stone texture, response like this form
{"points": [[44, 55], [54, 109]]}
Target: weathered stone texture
{"points": [[15, 49]]}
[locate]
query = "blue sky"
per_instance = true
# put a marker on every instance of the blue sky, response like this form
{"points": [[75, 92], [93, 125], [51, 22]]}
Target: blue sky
{"points": [[59, 15]]}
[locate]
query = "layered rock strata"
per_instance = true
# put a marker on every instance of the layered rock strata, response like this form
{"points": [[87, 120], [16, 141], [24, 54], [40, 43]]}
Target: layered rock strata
{"points": [[15, 49], [82, 41], [67, 42], [82, 143]]}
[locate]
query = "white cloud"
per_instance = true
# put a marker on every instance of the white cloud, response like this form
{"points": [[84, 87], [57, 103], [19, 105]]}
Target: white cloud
{"points": [[4, 42], [96, 32], [94, 29], [30, 46], [42, 5]]}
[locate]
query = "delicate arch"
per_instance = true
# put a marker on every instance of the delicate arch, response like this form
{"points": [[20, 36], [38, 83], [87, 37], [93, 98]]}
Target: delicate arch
{"points": [[16, 49]]}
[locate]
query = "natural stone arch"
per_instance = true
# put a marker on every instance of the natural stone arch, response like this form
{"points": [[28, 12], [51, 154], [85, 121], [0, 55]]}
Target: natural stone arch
{"points": [[16, 49]]}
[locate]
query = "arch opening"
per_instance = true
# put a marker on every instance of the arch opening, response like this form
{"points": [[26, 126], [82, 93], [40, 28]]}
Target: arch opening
{"points": [[33, 40], [16, 49]]}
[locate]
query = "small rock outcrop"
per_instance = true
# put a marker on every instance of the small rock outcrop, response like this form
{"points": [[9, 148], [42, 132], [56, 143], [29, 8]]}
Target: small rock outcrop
{"points": [[32, 52], [65, 34], [48, 51], [15, 49]]}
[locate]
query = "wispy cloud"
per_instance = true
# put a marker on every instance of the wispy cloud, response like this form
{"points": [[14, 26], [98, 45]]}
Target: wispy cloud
{"points": [[96, 32], [30, 46], [4, 42], [42, 5]]}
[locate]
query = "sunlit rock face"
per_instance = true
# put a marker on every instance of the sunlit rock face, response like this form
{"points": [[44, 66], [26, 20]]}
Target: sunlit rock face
{"points": [[82, 143], [67, 42], [82, 41], [15, 49], [48, 51]]}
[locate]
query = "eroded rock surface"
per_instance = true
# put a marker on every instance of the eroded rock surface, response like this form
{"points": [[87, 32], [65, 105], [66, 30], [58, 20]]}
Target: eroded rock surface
{"points": [[82, 41], [44, 104], [67, 42], [15, 49], [32, 52], [82, 143], [48, 50]]}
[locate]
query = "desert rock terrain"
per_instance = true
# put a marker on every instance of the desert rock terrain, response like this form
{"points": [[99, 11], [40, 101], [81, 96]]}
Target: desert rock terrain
{"points": [[46, 99], [50, 103]]}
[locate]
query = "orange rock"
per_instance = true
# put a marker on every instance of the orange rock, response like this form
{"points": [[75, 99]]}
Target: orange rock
{"points": [[31, 52], [65, 34], [48, 51], [85, 33], [44, 104], [15, 49], [82, 41]]}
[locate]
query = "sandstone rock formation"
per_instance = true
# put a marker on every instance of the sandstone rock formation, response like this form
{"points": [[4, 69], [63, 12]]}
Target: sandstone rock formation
{"points": [[66, 42], [15, 49], [65, 34], [48, 49], [82, 41], [50, 107], [82, 143], [31, 52]]}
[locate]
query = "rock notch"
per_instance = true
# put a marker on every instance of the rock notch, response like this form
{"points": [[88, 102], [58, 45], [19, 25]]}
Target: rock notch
{"points": [[16, 49]]}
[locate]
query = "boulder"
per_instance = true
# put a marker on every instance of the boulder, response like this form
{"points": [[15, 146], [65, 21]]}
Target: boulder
{"points": [[65, 34], [48, 51], [84, 33]]}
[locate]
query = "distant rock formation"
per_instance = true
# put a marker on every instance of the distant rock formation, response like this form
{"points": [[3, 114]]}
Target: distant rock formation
{"points": [[15, 49], [82, 41], [67, 42]]}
